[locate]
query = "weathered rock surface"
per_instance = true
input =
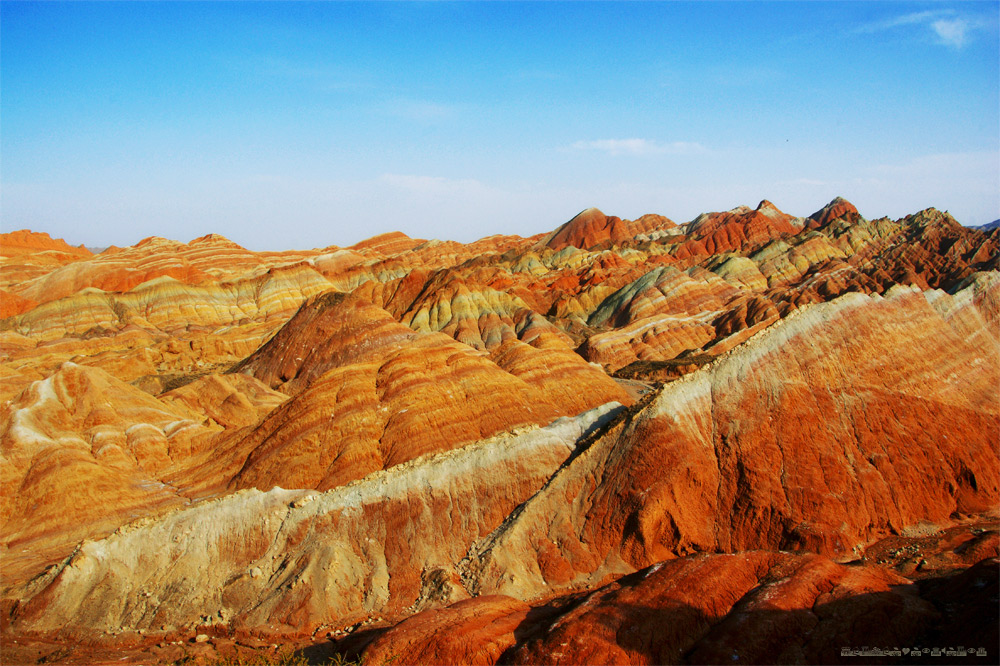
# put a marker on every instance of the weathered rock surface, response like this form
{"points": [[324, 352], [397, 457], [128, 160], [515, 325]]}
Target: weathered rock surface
{"points": [[169, 305], [287, 561], [837, 208], [83, 453], [12, 304], [820, 434], [23, 242], [473, 631], [592, 227], [754, 607], [750, 607], [738, 229], [806, 384], [373, 393]]}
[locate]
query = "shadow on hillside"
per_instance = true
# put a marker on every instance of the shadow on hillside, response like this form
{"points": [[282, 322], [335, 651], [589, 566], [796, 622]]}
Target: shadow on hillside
{"points": [[949, 619], [952, 619], [345, 650]]}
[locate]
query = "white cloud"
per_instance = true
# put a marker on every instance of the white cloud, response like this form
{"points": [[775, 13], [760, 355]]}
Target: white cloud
{"points": [[946, 27], [640, 147], [951, 32], [905, 19]]}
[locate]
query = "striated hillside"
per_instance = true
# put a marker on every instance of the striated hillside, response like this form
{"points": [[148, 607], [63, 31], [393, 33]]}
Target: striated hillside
{"points": [[751, 437]]}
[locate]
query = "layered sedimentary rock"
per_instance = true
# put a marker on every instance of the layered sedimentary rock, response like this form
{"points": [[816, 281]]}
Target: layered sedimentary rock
{"points": [[83, 453], [803, 384], [753, 607], [821, 433], [12, 304], [28, 242], [232, 400], [592, 227], [121, 269], [490, 291], [372, 393], [838, 208], [25, 255], [737, 229], [168, 304], [477, 315], [655, 338], [291, 560], [665, 291]]}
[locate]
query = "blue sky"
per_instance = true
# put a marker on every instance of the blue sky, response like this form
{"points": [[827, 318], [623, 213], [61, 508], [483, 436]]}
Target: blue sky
{"points": [[295, 125]]}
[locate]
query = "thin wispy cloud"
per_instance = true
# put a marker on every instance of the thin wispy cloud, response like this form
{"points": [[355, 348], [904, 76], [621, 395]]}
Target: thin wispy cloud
{"points": [[952, 32], [638, 147], [944, 26], [915, 18]]}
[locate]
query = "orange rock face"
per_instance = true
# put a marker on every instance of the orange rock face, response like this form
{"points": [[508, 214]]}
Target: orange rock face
{"points": [[748, 437], [592, 227], [801, 439], [474, 631], [749, 608], [740, 228], [290, 561], [837, 208], [373, 393], [33, 243], [12, 304], [84, 452]]}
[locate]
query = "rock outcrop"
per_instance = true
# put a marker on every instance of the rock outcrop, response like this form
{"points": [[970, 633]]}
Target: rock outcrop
{"points": [[27, 242], [592, 227], [372, 393], [820, 434], [291, 560], [750, 608], [773, 436]]}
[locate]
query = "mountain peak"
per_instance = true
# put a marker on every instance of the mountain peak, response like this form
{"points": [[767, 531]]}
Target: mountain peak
{"points": [[838, 207]]}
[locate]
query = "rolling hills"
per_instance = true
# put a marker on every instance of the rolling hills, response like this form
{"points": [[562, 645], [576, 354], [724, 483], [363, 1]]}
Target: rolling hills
{"points": [[750, 437]]}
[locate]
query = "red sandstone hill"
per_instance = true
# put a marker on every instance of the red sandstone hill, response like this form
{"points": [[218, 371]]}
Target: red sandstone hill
{"points": [[837, 208], [30, 242], [774, 435], [592, 227]]}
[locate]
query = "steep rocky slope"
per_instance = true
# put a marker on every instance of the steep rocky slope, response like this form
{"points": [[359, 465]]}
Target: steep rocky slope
{"points": [[372, 393], [763, 430], [83, 453], [819, 434], [36, 244], [287, 561]]}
